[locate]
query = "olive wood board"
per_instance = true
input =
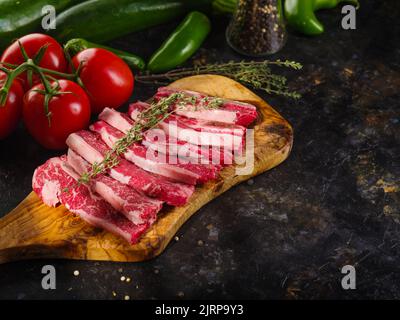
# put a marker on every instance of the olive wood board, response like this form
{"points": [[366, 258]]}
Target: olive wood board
{"points": [[33, 230]]}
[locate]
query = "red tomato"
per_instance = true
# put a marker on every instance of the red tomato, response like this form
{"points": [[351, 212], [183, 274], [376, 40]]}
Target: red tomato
{"points": [[10, 113], [106, 77], [53, 58], [70, 112]]}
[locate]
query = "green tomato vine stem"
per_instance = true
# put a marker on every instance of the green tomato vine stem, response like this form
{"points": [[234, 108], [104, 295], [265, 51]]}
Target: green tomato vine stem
{"points": [[31, 66]]}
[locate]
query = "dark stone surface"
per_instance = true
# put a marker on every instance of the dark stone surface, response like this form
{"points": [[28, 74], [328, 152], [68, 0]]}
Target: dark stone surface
{"points": [[335, 201]]}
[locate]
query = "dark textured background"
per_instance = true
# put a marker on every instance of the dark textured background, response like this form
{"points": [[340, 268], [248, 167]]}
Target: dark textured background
{"points": [[335, 201]]}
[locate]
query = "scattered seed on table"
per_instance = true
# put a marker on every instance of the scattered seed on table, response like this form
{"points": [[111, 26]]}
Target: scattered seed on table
{"points": [[127, 297], [123, 278], [128, 279], [176, 238], [114, 294], [76, 273]]}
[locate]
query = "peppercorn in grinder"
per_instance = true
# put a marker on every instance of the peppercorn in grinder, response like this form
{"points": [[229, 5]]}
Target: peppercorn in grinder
{"points": [[257, 27]]}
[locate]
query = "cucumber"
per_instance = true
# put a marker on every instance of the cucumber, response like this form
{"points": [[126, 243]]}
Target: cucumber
{"points": [[103, 20], [20, 17]]}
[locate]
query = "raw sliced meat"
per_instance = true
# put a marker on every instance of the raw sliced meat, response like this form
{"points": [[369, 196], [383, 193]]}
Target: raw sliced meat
{"points": [[202, 134], [167, 145], [138, 155], [128, 201], [135, 206], [89, 146], [230, 111], [158, 140], [233, 105], [218, 115], [198, 132], [136, 108], [118, 200], [118, 120], [209, 126], [173, 193], [55, 182], [153, 138], [154, 162]]}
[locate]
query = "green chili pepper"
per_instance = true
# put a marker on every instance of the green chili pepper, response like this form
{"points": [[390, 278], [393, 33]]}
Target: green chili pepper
{"points": [[181, 44], [74, 46], [300, 14]]}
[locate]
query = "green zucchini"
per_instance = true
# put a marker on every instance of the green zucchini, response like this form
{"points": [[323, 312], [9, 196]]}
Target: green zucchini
{"points": [[20, 17], [103, 20]]}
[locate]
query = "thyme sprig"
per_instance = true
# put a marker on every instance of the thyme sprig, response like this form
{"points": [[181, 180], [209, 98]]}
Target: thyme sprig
{"points": [[194, 103], [147, 119], [255, 74]]}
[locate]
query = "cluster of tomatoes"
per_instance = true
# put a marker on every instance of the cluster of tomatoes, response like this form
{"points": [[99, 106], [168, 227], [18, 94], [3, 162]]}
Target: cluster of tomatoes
{"points": [[104, 81]]}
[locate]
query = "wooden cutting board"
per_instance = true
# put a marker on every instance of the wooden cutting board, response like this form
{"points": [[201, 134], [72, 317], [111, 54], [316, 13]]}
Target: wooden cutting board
{"points": [[34, 230]]}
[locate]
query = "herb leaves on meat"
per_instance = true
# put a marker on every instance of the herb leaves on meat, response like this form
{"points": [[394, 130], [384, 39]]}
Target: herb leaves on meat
{"points": [[148, 119]]}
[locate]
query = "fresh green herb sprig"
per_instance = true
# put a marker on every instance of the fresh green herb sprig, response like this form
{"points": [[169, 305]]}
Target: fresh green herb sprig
{"points": [[148, 119], [255, 74], [194, 103]]}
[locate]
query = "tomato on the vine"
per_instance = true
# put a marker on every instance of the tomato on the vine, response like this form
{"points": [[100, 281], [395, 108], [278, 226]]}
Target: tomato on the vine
{"points": [[10, 113], [52, 59], [68, 113], [106, 78]]}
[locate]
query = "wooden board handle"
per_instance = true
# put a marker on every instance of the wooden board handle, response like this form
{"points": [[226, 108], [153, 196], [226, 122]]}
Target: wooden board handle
{"points": [[34, 230]]}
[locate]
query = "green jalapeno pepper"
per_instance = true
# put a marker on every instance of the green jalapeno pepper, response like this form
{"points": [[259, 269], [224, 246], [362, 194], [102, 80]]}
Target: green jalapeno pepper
{"points": [[181, 44], [300, 15]]}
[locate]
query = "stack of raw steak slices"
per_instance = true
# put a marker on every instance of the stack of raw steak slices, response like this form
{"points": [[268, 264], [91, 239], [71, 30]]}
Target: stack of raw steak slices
{"points": [[188, 148]]}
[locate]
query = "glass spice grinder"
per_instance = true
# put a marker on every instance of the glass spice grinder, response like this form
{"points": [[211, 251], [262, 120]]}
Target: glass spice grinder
{"points": [[257, 27]]}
